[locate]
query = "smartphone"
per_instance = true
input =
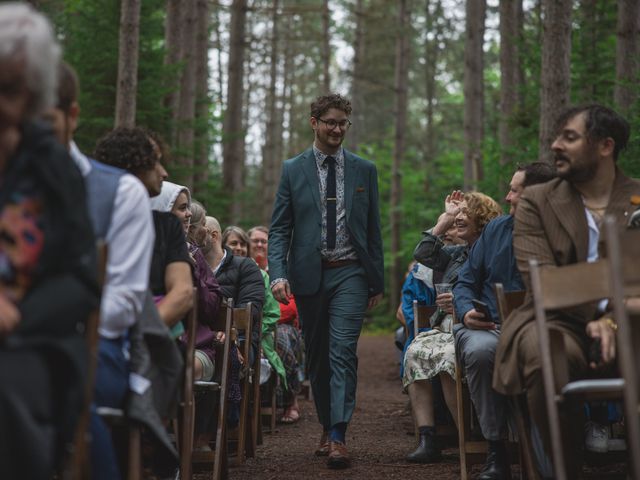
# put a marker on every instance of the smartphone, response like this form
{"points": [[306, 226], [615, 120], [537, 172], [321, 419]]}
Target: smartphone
{"points": [[482, 308]]}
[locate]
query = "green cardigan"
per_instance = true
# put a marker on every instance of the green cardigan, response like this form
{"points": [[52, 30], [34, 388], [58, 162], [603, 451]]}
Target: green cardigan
{"points": [[270, 317]]}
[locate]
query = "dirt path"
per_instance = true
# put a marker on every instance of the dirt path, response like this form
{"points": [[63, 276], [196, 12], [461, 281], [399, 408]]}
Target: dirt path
{"points": [[378, 438]]}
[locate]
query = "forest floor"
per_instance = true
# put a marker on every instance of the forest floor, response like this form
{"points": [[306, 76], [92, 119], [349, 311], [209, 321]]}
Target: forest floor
{"points": [[379, 436]]}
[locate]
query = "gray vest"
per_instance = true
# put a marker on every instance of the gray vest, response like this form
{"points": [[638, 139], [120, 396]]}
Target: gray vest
{"points": [[102, 185]]}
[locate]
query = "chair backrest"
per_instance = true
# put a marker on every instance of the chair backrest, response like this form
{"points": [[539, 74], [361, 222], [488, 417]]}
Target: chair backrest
{"points": [[507, 302], [421, 316], [623, 250]]}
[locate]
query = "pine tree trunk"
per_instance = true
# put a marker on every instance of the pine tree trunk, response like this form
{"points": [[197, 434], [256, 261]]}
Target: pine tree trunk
{"points": [[474, 92], [269, 173], [326, 51], [358, 74], [401, 87], [184, 151], [173, 47], [218, 46], [431, 54], [128, 64], [202, 142], [627, 52], [233, 134], [509, 72], [555, 75]]}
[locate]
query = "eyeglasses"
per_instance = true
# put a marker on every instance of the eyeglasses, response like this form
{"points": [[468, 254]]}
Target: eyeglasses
{"points": [[332, 124], [259, 241]]}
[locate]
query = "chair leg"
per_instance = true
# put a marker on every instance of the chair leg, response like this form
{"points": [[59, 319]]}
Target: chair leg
{"points": [[462, 426], [135, 453]]}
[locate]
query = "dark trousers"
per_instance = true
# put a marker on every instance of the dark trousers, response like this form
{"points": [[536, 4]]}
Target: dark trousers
{"points": [[112, 383], [331, 324]]}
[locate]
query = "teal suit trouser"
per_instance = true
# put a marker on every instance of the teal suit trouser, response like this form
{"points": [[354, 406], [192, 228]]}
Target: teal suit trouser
{"points": [[331, 324]]}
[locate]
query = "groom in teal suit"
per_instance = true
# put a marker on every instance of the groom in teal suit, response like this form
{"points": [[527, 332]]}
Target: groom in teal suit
{"points": [[325, 248]]}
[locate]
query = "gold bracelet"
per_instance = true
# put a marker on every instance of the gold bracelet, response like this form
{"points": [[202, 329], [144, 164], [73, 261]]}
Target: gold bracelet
{"points": [[611, 324]]}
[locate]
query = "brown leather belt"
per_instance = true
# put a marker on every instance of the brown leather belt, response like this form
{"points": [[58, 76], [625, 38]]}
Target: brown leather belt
{"points": [[338, 263]]}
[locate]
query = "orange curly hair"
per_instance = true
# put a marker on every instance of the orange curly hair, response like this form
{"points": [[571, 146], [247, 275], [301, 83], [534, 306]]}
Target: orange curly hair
{"points": [[481, 208]]}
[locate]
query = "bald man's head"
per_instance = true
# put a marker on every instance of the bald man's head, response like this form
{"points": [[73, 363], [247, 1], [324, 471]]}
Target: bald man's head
{"points": [[212, 224]]}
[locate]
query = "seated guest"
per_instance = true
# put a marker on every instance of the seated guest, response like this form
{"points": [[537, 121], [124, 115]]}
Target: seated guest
{"points": [[176, 199], [558, 223], [121, 217], [259, 240], [432, 352], [140, 152], [48, 279], [289, 344], [490, 261], [237, 240]]}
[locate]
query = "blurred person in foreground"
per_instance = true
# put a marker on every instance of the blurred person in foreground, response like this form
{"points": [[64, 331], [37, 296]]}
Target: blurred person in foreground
{"points": [[48, 276]]}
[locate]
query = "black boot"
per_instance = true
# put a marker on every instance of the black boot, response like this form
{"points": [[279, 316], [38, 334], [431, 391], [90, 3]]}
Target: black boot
{"points": [[427, 451], [497, 465]]}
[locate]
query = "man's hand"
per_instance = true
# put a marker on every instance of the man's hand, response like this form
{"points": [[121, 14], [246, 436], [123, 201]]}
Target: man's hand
{"points": [[373, 301], [9, 316], [473, 320], [282, 292], [444, 301], [601, 329], [220, 337]]}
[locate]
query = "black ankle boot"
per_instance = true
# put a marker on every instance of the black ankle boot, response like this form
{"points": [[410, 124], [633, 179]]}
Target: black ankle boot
{"points": [[497, 465], [427, 451]]}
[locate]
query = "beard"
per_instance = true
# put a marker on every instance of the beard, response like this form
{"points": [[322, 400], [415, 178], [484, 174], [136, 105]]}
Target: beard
{"points": [[581, 171]]}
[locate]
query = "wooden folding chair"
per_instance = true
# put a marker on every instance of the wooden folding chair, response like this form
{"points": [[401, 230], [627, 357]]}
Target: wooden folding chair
{"points": [[219, 384], [554, 288], [506, 303], [241, 322], [623, 251], [254, 432], [269, 390]]}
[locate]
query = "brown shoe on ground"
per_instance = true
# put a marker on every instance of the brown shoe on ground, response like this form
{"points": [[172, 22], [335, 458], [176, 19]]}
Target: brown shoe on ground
{"points": [[338, 456], [323, 448]]}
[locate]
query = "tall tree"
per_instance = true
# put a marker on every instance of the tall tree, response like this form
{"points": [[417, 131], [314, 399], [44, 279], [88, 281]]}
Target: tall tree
{"points": [[128, 63], [358, 75], [269, 161], [326, 48], [627, 52], [401, 87], [233, 132], [187, 98], [201, 157], [432, 12], [474, 92], [509, 74], [173, 47], [555, 74]]}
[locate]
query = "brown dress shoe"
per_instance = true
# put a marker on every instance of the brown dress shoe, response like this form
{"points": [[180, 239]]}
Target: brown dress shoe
{"points": [[338, 456], [323, 448]]}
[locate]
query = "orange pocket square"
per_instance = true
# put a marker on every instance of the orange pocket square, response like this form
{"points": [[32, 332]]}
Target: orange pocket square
{"points": [[360, 189]]}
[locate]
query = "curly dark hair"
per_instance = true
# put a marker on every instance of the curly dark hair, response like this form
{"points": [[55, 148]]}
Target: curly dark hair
{"points": [[132, 149], [323, 103]]}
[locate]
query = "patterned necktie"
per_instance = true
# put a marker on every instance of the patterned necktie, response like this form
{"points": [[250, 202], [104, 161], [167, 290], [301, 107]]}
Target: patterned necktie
{"points": [[331, 203]]}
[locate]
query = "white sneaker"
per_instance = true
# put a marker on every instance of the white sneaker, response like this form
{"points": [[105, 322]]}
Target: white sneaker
{"points": [[596, 437]]}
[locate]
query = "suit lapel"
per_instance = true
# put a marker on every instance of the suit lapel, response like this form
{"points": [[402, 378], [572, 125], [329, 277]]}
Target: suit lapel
{"points": [[349, 181], [566, 203], [311, 172]]}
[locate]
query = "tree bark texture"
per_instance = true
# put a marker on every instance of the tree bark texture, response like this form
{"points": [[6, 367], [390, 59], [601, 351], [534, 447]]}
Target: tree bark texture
{"points": [[474, 92], [184, 151], [356, 78], [433, 11], [509, 72], [128, 63], [173, 46], [326, 49], [555, 74], [627, 51], [401, 88], [233, 133], [269, 160], [202, 141]]}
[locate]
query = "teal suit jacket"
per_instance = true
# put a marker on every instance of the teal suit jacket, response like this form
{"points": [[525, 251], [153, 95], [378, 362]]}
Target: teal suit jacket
{"points": [[296, 223]]}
